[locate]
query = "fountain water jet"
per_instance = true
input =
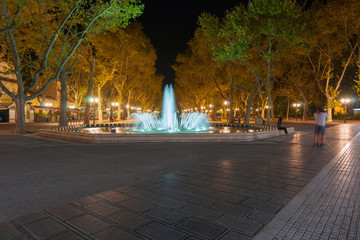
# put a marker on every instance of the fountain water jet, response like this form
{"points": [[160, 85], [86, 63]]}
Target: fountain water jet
{"points": [[169, 121]]}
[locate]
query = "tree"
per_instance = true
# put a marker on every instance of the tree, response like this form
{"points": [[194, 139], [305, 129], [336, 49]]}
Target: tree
{"points": [[127, 63], [356, 87], [265, 27], [56, 22], [334, 40]]}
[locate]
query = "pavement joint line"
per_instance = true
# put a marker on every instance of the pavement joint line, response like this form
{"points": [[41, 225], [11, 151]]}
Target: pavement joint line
{"points": [[280, 220]]}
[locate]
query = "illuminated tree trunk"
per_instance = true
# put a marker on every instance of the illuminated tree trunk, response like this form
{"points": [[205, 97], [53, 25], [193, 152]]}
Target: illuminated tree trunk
{"points": [[119, 111], [20, 113], [63, 101], [89, 92], [100, 112]]}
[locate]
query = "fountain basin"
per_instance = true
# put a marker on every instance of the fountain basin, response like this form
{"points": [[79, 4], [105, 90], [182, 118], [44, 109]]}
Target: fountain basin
{"points": [[76, 134]]}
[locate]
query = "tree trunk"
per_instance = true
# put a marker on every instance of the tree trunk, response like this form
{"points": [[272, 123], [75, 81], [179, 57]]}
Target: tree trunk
{"points": [[128, 103], [63, 101], [248, 108], [100, 113], [269, 101], [231, 112], [329, 112], [288, 108], [305, 112], [89, 92], [20, 113], [119, 112]]}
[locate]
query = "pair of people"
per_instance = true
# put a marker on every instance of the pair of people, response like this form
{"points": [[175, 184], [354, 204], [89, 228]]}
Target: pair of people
{"points": [[320, 118]]}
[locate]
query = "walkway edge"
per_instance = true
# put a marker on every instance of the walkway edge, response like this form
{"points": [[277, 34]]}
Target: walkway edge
{"points": [[272, 228]]}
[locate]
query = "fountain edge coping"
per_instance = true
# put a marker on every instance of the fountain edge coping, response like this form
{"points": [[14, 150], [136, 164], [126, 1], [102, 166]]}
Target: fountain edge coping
{"points": [[68, 133]]}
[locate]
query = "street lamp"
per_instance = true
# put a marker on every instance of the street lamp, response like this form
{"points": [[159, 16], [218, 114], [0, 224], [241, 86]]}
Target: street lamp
{"points": [[296, 105], [226, 114], [345, 101], [94, 100]]}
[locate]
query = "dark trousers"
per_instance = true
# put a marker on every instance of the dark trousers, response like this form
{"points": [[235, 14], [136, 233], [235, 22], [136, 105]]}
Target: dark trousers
{"points": [[283, 128]]}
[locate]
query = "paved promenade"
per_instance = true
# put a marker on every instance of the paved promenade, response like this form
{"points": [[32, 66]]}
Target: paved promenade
{"points": [[279, 188]]}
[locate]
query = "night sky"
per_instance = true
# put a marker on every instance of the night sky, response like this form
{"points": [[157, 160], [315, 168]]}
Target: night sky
{"points": [[170, 24]]}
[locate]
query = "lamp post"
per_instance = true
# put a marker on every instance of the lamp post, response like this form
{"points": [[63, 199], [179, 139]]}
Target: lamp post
{"points": [[225, 108], [296, 105], [94, 100], [345, 101]]}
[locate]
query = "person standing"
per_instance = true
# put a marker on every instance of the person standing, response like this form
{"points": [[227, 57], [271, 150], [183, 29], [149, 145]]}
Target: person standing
{"points": [[320, 119], [280, 127]]}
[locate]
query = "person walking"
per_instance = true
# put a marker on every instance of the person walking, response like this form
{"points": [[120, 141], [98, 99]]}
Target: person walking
{"points": [[320, 119], [280, 127]]}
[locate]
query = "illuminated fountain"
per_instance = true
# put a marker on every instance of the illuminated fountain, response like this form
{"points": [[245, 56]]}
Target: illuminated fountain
{"points": [[149, 127], [169, 121]]}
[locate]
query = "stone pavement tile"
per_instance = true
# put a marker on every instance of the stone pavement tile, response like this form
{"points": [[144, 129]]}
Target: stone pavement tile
{"points": [[88, 224], [44, 228], [135, 204], [67, 236], [261, 195], [234, 236], [242, 224], [280, 200], [231, 208], [196, 198], [198, 190], [200, 212], [250, 186], [262, 216], [196, 181], [86, 200], [139, 193], [282, 192], [65, 212], [293, 188], [269, 184], [167, 215], [128, 219], [103, 208], [114, 233], [158, 231], [112, 196], [201, 228], [261, 205], [229, 197], [126, 188], [223, 188], [31, 217], [193, 238], [8, 231], [170, 183], [170, 192], [168, 202], [294, 182]]}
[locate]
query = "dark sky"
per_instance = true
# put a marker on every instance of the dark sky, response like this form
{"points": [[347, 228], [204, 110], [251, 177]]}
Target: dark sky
{"points": [[170, 24]]}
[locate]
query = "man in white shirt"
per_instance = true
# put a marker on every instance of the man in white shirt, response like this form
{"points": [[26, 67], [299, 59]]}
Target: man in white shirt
{"points": [[320, 118]]}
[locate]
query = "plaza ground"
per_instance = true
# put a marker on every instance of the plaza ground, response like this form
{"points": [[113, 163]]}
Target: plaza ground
{"points": [[65, 190]]}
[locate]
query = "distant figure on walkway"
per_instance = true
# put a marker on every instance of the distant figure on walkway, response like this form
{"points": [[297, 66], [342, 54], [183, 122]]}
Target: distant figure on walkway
{"points": [[280, 127], [320, 118]]}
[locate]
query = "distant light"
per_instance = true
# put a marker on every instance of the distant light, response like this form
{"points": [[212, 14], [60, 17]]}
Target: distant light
{"points": [[345, 100]]}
